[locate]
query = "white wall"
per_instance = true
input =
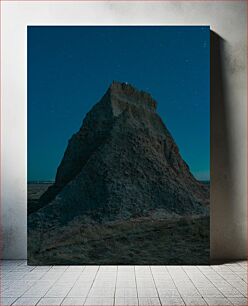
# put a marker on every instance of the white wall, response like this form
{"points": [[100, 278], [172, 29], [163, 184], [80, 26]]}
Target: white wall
{"points": [[228, 132]]}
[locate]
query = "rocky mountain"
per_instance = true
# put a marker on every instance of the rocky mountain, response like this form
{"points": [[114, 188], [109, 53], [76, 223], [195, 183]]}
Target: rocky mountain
{"points": [[122, 164]]}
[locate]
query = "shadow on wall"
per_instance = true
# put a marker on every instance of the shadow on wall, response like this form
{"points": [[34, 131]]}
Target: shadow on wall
{"points": [[225, 231]]}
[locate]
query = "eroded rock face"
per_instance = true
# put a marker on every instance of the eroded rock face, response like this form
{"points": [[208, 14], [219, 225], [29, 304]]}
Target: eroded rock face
{"points": [[123, 163]]}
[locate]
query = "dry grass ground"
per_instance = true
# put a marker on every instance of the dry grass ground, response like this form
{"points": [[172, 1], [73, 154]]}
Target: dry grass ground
{"points": [[145, 240]]}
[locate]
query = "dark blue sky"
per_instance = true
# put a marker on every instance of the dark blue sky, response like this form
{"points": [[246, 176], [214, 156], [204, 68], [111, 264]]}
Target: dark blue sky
{"points": [[70, 68]]}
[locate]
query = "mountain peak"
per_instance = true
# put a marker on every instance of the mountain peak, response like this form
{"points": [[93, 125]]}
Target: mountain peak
{"points": [[128, 93], [121, 167]]}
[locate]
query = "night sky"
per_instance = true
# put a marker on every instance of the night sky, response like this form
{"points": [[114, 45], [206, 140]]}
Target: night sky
{"points": [[70, 68]]}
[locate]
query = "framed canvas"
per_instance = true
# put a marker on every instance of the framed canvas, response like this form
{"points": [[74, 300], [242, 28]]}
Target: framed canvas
{"points": [[118, 145]]}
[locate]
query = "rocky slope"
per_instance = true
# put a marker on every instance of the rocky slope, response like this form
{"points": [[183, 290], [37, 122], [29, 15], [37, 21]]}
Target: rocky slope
{"points": [[122, 164]]}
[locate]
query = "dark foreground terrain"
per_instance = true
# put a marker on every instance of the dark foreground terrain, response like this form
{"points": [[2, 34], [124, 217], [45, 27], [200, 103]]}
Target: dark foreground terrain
{"points": [[35, 190], [155, 239]]}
